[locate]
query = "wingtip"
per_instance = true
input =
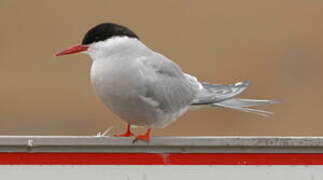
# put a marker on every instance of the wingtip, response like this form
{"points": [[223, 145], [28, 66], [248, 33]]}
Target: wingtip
{"points": [[246, 82], [274, 101], [243, 83]]}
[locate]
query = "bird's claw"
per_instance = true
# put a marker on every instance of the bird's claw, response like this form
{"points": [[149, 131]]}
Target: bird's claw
{"points": [[144, 138], [127, 134]]}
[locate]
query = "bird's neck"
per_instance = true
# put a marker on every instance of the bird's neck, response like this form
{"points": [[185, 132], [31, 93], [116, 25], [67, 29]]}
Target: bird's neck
{"points": [[115, 46]]}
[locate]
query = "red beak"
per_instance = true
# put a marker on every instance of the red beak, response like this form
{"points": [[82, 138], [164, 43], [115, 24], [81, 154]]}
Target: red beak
{"points": [[73, 50]]}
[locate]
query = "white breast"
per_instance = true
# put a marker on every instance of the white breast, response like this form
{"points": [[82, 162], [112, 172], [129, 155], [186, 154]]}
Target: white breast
{"points": [[119, 83]]}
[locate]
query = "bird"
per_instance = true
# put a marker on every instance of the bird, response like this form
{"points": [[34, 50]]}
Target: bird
{"points": [[146, 88]]}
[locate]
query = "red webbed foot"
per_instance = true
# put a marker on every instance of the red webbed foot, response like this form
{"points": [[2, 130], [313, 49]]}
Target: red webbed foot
{"points": [[143, 137]]}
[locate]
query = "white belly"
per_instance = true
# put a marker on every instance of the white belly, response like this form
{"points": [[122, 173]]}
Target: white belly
{"points": [[119, 88]]}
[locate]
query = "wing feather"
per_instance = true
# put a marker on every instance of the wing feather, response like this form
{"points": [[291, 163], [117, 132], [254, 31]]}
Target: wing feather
{"points": [[212, 93], [166, 84]]}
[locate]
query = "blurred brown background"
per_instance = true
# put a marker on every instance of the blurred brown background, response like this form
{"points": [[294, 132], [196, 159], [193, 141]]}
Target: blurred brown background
{"points": [[275, 44]]}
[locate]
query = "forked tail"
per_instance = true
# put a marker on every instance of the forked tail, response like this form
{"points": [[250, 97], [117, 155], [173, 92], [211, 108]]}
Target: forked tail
{"points": [[244, 104], [216, 95]]}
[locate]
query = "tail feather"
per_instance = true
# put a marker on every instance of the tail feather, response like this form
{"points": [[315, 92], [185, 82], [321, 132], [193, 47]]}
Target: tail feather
{"points": [[243, 104], [256, 111], [239, 102]]}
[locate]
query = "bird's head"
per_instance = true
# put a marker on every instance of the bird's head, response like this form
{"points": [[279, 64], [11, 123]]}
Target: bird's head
{"points": [[97, 38]]}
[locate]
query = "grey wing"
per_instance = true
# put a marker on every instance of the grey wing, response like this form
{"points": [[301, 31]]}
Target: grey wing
{"points": [[166, 85], [212, 93]]}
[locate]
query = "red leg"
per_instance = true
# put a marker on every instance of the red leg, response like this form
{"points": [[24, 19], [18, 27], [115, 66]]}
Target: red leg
{"points": [[144, 137], [128, 133]]}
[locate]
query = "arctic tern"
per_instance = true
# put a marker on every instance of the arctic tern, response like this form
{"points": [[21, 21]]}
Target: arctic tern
{"points": [[146, 88]]}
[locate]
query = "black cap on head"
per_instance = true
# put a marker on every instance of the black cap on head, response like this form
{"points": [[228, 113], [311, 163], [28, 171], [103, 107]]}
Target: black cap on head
{"points": [[105, 31]]}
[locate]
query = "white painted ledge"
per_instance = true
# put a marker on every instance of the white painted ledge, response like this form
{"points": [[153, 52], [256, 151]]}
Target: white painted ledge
{"points": [[167, 144]]}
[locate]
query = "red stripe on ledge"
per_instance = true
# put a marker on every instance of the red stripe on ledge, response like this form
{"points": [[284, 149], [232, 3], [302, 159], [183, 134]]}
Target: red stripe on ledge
{"points": [[158, 159]]}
